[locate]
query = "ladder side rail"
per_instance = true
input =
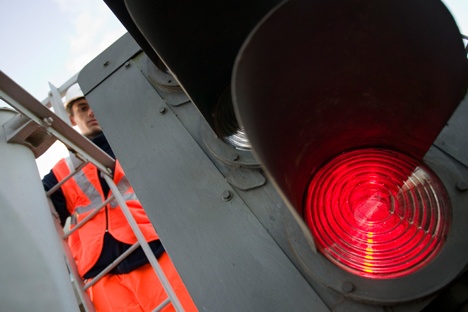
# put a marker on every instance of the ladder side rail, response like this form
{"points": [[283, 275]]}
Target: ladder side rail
{"points": [[75, 278], [61, 90], [144, 244]]}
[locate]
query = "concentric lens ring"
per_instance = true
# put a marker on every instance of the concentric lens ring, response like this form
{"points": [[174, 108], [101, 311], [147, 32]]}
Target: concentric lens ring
{"points": [[377, 213]]}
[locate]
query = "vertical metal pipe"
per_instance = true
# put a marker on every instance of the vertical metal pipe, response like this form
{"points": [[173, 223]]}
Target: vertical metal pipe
{"points": [[33, 273]]}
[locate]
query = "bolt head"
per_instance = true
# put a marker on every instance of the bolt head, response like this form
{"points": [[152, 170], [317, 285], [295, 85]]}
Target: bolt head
{"points": [[347, 287], [462, 186], [227, 195]]}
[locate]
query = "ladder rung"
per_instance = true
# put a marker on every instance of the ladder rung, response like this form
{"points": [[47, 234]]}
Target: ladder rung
{"points": [[88, 217], [58, 185], [162, 305]]}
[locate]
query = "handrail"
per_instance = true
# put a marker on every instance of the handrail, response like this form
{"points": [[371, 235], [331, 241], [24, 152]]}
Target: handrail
{"points": [[26, 104]]}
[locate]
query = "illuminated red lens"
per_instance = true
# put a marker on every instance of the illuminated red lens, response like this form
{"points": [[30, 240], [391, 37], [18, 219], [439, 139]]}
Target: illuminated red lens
{"points": [[377, 213]]}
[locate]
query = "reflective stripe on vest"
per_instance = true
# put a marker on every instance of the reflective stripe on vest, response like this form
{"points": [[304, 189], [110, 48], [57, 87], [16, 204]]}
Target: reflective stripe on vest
{"points": [[93, 194], [124, 187]]}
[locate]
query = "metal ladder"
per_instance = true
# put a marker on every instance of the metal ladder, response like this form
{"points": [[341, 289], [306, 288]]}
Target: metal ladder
{"points": [[39, 116]]}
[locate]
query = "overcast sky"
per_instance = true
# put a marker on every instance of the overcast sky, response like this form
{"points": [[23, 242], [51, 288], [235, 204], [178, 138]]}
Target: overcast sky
{"points": [[51, 40], [46, 41]]}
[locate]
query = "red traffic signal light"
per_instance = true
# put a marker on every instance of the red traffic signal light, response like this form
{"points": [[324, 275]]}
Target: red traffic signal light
{"points": [[377, 213], [341, 106]]}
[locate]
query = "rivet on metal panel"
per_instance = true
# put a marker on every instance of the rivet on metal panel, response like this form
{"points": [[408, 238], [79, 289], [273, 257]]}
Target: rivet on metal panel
{"points": [[347, 287], [227, 195], [105, 63], [162, 110], [462, 186], [234, 156], [127, 65]]}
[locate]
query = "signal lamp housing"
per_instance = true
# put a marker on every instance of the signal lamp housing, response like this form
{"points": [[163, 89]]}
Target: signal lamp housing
{"points": [[333, 82]]}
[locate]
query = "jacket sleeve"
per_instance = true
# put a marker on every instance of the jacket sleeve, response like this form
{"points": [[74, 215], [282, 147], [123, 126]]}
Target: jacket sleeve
{"points": [[58, 199]]}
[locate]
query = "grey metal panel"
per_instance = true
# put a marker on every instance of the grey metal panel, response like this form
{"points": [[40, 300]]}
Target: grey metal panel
{"points": [[25, 277], [33, 272], [225, 256], [263, 200], [108, 61]]}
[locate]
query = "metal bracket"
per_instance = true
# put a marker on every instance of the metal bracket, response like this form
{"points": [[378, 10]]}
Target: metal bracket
{"points": [[164, 82], [22, 130], [245, 179], [226, 153]]}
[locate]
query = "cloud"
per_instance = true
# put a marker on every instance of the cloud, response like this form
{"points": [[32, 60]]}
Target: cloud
{"points": [[95, 28]]}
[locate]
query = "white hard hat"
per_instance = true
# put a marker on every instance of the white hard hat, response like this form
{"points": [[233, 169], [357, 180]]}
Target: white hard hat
{"points": [[73, 93]]}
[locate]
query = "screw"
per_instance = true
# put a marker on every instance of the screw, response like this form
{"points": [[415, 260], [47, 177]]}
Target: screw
{"points": [[227, 195], [234, 156], [461, 186], [105, 63], [48, 121], [347, 287], [162, 110]]}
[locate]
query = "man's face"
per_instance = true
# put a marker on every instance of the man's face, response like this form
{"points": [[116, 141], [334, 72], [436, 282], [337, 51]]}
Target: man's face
{"points": [[83, 117]]}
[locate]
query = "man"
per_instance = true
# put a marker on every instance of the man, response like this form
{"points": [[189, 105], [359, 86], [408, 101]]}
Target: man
{"points": [[132, 285]]}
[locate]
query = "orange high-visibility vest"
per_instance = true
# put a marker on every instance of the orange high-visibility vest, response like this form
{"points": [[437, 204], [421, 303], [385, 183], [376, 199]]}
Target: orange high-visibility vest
{"points": [[83, 193]]}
